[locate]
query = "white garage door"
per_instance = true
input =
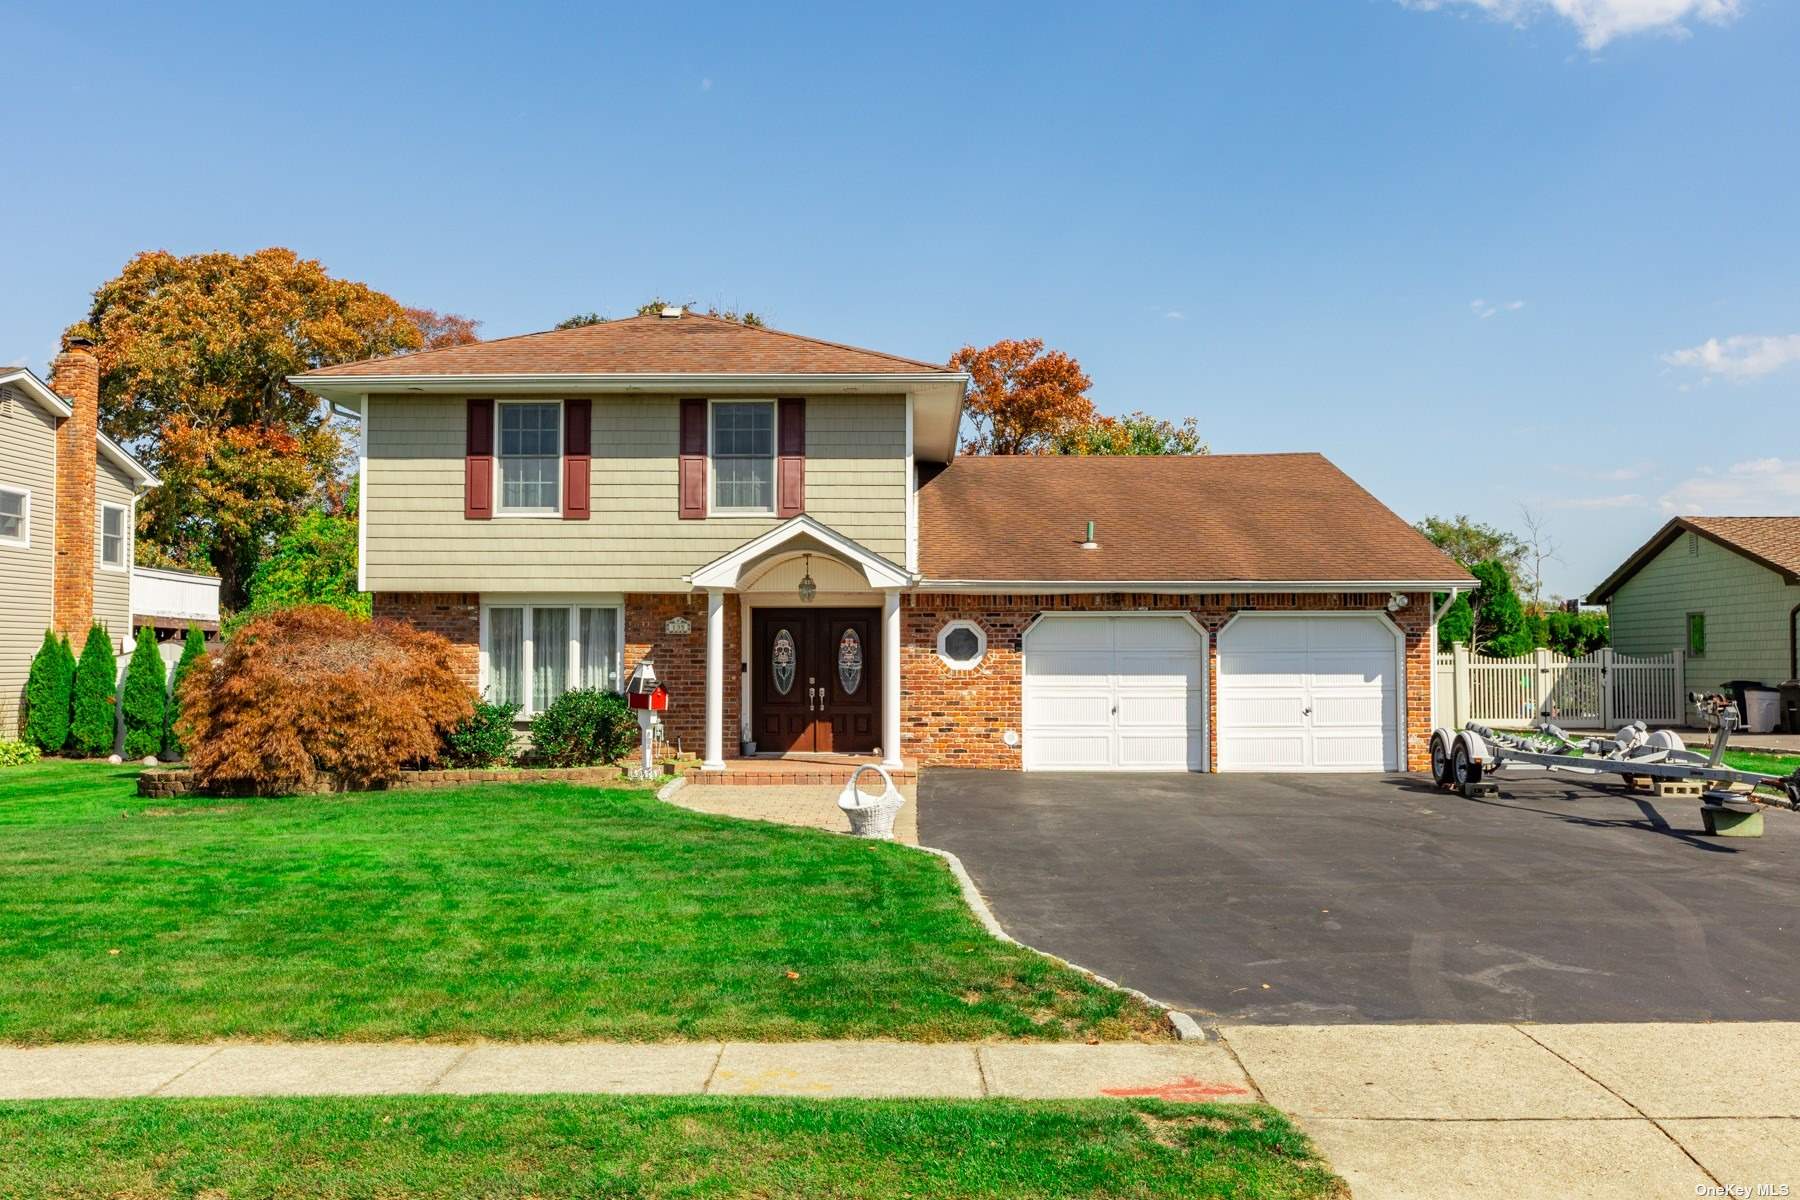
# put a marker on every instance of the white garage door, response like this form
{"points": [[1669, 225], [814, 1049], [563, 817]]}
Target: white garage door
{"points": [[1307, 694], [1118, 693]]}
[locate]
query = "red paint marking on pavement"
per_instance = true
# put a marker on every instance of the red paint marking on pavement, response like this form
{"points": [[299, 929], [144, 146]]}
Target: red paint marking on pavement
{"points": [[1187, 1088]]}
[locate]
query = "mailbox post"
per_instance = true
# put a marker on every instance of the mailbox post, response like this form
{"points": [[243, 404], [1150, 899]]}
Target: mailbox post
{"points": [[647, 698]]}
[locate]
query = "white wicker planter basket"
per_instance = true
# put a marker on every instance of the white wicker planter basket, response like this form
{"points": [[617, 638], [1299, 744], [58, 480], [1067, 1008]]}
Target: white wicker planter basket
{"points": [[871, 816]]}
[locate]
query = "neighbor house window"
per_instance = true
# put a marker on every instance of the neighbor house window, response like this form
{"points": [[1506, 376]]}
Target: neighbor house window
{"points": [[530, 457], [743, 455], [533, 653], [15, 517], [1696, 634], [112, 536]]}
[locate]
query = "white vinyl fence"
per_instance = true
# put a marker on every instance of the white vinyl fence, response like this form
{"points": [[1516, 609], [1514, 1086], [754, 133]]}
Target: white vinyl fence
{"points": [[1600, 690]]}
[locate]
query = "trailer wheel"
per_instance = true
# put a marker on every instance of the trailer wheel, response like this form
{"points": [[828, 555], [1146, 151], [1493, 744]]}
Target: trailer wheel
{"points": [[1440, 762], [1463, 769]]}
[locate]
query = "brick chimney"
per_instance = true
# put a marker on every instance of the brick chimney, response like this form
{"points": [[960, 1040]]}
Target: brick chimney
{"points": [[75, 376]]}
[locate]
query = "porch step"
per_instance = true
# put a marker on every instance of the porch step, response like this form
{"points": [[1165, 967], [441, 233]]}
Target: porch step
{"points": [[765, 773]]}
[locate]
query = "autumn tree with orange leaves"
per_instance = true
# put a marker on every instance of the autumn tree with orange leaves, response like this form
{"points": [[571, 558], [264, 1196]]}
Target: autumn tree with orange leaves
{"points": [[440, 331], [195, 353], [1023, 396]]}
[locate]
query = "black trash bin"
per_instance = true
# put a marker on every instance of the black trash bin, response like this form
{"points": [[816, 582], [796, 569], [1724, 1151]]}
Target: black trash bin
{"points": [[1790, 706], [1735, 689]]}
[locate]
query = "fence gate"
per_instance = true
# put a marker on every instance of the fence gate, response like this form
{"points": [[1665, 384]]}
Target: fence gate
{"points": [[1602, 689]]}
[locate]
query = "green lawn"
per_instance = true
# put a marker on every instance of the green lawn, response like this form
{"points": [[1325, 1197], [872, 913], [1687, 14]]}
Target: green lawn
{"points": [[523, 911], [1768, 764], [548, 1147]]}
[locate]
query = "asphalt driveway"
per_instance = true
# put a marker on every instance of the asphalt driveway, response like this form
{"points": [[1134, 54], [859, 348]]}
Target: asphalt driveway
{"points": [[1316, 899]]}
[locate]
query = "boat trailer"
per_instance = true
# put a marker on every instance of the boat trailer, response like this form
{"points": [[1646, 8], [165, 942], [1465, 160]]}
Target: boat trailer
{"points": [[1731, 801]]}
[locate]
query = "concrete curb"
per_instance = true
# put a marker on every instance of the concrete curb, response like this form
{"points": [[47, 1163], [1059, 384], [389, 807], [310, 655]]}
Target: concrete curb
{"points": [[670, 788], [1186, 1028]]}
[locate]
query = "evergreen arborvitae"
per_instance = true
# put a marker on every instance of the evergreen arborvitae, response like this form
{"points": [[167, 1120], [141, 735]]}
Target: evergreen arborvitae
{"points": [[91, 732], [145, 698], [47, 696], [191, 652]]}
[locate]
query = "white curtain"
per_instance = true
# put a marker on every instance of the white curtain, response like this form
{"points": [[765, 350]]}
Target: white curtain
{"points": [[506, 655], [599, 648], [549, 655]]}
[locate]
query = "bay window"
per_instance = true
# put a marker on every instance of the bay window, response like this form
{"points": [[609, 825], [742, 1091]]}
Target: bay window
{"points": [[534, 651]]}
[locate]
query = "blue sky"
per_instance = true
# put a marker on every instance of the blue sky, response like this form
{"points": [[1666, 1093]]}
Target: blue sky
{"points": [[1482, 253]]}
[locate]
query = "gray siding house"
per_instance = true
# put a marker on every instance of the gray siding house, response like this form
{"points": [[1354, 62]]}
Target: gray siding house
{"points": [[1725, 589], [68, 511]]}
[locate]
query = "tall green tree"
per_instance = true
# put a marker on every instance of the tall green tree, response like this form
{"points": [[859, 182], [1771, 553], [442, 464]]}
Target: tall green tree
{"points": [[193, 653], [1470, 542], [195, 354], [1136, 433], [313, 563], [1500, 628], [49, 692], [145, 698], [93, 726]]}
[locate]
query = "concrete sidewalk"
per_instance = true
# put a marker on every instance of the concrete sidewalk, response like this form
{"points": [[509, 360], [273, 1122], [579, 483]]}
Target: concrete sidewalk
{"points": [[1401, 1111], [1599, 1111], [1176, 1071]]}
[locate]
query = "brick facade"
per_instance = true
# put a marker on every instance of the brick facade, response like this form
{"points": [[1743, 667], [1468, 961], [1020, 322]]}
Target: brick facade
{"points": [[680, 662], [75, 376], [957, 718], [456, 615]]}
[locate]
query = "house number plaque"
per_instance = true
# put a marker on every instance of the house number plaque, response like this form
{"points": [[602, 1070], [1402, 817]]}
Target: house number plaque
{"points": [[678, 625]]}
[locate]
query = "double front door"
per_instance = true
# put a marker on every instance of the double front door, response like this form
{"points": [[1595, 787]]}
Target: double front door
{"points": [[815, 682]]}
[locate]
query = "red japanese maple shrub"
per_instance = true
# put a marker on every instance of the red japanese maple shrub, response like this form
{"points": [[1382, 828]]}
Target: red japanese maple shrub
{"points": [[309, 696]]}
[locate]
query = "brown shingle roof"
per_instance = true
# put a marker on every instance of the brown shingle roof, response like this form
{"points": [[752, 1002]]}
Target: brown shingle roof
{"points": [[1772, 541], [1213, 518], [689, 345]]}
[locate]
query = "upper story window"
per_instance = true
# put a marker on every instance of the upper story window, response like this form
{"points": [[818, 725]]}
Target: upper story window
{"points": [[743, 456], [15, 517], [114, 536], [530, 457]]}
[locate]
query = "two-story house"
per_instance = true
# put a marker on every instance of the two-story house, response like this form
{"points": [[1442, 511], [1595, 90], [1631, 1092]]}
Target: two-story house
{"points": [[68, 515], [783, 527]]}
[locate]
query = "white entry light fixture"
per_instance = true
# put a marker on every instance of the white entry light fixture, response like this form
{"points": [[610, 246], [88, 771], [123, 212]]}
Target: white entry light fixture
{"points": [[808, 589], [1398, 601]]}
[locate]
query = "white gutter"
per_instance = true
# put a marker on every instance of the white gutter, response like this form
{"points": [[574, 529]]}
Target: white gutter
{"points": [[1189, 585], [662, 381]]}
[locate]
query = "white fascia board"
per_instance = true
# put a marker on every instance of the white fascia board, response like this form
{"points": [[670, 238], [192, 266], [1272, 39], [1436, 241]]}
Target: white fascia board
{"points": [[723, 572], [347, 385], [123, 460], [1172, 586], [37, 389]]}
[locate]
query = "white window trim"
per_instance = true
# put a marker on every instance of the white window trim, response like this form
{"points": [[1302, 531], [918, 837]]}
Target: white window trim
{"points": [[562, 454], [528, 603], [712, 469], [23, 541], [124, 512], [981, 646]]}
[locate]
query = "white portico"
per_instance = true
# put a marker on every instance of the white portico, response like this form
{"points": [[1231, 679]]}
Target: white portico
{"points": [[818, 662]]}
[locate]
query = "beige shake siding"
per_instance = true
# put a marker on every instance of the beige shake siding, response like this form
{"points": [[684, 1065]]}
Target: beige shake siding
{"points": [[27, 460], [418, 540], [1747, 609], [112, 586]]}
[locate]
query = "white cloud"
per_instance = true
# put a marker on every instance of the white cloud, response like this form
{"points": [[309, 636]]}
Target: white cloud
{"points": [[1600, 21], [1754, 487], [1175, 314], [1623, 500], [706, 85], [1484, 310], [1746, 356]]}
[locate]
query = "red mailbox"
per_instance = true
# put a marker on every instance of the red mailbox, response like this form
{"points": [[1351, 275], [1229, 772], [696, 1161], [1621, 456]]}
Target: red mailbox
{"points": [[643, 692]]}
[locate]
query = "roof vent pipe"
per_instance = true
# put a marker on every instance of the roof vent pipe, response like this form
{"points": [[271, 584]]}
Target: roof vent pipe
{"points": [[1090, 543]]}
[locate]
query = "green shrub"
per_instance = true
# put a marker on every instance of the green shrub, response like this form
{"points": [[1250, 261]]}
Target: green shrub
{"points": [[192, 651], [484, 740], [92, 730], [17, 754], [145, 699], [49, 694], [583, 728]]}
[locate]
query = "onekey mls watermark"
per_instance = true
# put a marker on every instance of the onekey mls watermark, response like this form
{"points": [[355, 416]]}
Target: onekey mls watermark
{"points": [[1742, 1191]]}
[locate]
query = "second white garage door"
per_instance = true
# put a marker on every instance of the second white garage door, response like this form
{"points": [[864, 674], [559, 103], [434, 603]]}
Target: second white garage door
{"points": [[1114, 693], [1308, 694]]}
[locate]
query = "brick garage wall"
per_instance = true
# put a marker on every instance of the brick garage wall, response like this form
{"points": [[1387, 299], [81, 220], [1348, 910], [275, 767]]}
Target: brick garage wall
{"points": [[680, 662], [456, 615], [956, 718]]}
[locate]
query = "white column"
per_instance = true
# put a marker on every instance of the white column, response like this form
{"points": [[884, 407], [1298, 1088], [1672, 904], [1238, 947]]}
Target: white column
{"points": [[890, 678], [715, 681]]}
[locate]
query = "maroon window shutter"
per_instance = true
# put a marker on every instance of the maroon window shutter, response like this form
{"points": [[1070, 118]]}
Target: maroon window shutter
{"points": [[790, 461], [578, 446], [693, 460], [478, 461]]}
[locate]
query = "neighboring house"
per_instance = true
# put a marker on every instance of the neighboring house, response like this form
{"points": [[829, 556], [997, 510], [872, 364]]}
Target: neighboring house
{"points": [[168, 602], [68, 512], [1723, 589], [783, 528]]}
